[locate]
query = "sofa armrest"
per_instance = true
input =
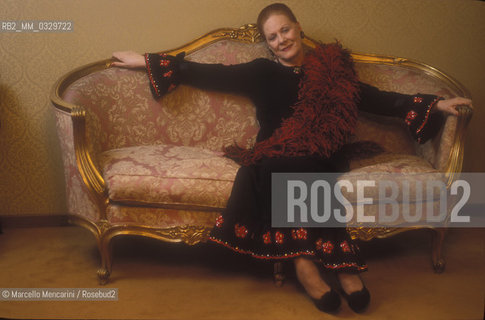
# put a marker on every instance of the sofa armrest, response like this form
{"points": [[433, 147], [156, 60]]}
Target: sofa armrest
{"points": [[85, 185], [450, 153], [82, 201], [91, 175]]}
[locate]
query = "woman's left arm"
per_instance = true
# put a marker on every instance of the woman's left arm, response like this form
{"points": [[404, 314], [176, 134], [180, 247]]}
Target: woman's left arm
{"points": [[424, 114]]}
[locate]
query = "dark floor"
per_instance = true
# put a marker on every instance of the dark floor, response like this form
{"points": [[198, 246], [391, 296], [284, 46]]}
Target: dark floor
{"points": [[157, 280]]}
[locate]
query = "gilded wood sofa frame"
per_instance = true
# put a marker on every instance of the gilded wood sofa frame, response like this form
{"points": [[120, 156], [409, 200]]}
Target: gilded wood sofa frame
{"points": [[92, 177]]}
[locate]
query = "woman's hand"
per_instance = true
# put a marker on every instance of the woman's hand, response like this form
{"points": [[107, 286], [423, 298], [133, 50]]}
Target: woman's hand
{"points": [[448, 106], [128, 59]]}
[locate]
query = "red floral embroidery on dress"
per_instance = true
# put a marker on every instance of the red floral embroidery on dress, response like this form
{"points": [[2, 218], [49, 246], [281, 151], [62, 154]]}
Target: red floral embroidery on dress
{"points": [[241, 231], [171, 87], [264, 256], [267, 238], [410, 117], [219, 221], [300, 234], [327, 247], [418, 99], [279, 237], [426, 115], [168, 74], [319, 244], [163, 55], [150, 74], [345, 247], [164, 62]]}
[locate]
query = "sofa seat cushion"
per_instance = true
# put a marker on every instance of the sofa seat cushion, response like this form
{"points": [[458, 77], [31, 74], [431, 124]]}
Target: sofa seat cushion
{"points": [[391, 162], [401, 169], [168, 176], [190, 178]]}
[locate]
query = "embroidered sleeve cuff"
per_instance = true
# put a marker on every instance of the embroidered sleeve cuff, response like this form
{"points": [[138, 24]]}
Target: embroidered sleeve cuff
{"points": [[422, 123], [163, 72]]}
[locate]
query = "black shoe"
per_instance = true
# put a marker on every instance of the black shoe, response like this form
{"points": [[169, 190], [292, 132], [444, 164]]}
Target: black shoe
{"points": [[358, 300], [329, 302]]}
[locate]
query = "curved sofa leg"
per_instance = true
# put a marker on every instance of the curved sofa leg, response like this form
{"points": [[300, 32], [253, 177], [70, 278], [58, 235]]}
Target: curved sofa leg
{"points": [[438, 237], [105, 250], [278, 274]]}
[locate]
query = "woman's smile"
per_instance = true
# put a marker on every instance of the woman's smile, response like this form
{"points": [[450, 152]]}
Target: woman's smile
{"points": [[288, 47]]}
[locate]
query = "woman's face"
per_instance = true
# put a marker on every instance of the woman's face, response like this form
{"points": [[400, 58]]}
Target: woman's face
{"points": [[283, 37]]}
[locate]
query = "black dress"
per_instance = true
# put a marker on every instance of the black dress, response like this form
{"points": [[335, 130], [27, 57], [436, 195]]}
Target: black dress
{"points": [[245, 225]]}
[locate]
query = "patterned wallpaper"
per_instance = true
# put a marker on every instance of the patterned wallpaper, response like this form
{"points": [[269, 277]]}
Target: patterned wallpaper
{"points": [[447, 34]]}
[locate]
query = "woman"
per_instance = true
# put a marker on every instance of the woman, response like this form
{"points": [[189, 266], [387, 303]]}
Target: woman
{"points": [[320, 85]]}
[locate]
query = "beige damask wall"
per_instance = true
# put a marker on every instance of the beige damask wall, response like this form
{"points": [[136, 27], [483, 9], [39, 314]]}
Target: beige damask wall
{"points": [[447, 34]]}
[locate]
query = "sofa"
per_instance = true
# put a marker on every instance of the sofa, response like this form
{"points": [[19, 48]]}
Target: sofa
{"points": [[154, 168]]}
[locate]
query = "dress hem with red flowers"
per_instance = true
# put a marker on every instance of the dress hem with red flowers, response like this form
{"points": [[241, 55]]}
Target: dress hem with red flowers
{"points": [[340, 266], [331, 247]]}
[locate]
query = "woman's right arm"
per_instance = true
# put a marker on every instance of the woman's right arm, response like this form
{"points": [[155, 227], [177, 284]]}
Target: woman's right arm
{"points": [[165, 72], [128, 59]]}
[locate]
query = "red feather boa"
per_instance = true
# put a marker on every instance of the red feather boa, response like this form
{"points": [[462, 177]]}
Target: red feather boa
{"points": [[324, 117]]}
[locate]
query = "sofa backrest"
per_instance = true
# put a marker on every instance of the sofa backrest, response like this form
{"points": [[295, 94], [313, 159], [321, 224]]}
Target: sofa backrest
{"points": [[121, 111]]}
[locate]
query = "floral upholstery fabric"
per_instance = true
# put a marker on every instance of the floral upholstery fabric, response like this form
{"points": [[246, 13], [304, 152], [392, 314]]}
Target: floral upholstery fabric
{"points": [[394, 168], [438, 150], [164, 175], [159, 217], [122, 112], [228, 52], [401, 79]]}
